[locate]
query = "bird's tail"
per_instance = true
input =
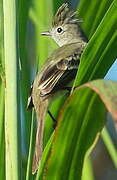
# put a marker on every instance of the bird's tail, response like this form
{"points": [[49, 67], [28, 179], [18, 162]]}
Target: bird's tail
{"points": [[41, 113]]}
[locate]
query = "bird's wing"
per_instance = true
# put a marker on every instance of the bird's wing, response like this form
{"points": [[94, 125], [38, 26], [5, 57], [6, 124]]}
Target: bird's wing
{"points": [[59, 70], [59, 75]]}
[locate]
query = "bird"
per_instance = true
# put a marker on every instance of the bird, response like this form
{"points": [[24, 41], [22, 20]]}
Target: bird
{"points": [[58, 71]]}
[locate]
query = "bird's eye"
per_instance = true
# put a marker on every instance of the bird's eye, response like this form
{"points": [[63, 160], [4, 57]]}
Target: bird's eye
{"points": [[59, 30]]}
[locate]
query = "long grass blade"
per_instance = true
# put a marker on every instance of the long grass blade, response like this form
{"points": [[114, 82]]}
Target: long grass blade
{"points": [[2, 98], [12, 128], [110, 146]]}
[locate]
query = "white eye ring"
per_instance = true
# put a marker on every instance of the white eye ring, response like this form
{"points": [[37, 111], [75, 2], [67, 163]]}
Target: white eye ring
{"points": [[59, 30]]}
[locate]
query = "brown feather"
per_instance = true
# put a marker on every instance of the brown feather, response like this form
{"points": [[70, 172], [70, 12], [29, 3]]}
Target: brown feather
{"points": [[41, 112], [64, 16]]}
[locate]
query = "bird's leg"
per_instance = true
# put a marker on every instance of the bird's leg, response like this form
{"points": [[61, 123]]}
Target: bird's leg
{"points": [[68, 89], [50, 114], [54, 120]]}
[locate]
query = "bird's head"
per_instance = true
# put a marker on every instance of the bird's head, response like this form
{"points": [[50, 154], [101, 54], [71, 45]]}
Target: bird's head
{"points": [[65, 27]]}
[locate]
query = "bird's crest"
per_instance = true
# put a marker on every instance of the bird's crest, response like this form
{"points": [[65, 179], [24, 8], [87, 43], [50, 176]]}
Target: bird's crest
{"points": [[64, 16]]}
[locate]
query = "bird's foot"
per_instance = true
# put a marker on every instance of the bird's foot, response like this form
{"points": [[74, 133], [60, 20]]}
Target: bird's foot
{"points": [[54, 120]]}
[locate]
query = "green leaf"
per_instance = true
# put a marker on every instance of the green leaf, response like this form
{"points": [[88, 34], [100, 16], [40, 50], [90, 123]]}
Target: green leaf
{"points": [[25, 69], [107, 90], [79, 124], [92, 13], [100, 52]]}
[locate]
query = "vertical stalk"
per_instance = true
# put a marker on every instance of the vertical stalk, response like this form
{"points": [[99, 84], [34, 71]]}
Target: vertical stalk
{"points": [[2, 138], [23, 8], [110, 146], [11, 113], [87, 170], [2, 80], [29, 163]]}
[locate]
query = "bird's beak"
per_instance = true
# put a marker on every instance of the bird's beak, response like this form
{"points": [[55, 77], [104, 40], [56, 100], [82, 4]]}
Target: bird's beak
{"points": [[47, 33]]}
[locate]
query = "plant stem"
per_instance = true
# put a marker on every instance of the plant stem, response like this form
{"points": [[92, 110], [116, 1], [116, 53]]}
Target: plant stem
{"points": [[110, 146], [11, 102]]}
